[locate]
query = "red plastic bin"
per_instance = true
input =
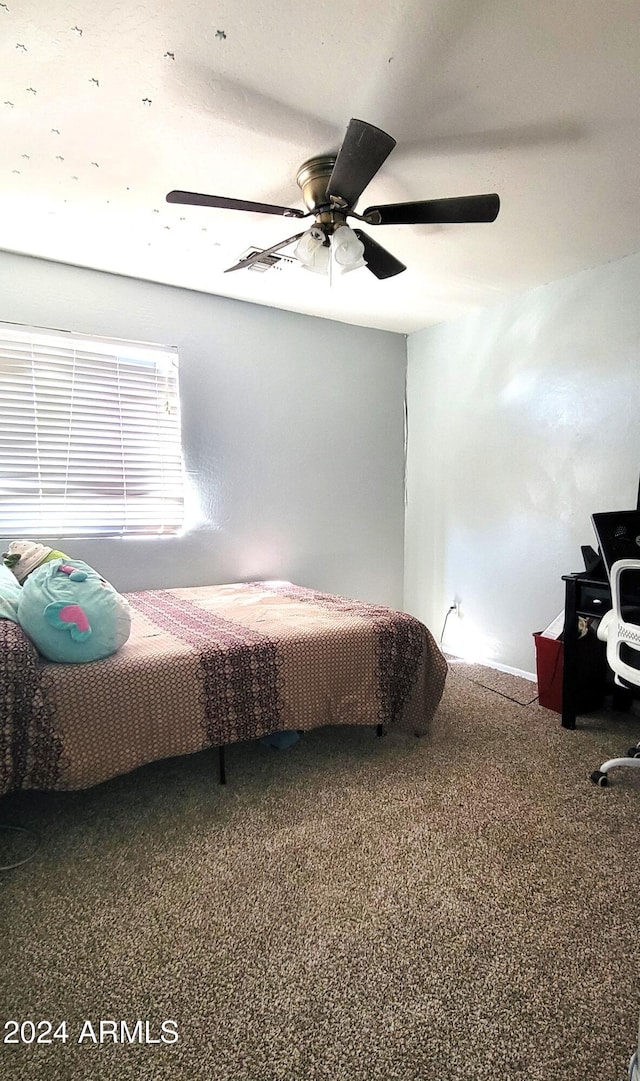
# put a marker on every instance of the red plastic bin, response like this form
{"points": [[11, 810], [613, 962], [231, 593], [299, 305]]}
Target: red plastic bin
{"points": [[549, 669]]}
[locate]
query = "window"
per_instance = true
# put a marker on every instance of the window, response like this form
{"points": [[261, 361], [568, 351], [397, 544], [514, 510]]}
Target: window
{"points": [[89, 436]]}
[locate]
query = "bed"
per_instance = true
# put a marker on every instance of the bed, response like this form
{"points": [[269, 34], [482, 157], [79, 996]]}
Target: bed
{"points": [[210, 666]]}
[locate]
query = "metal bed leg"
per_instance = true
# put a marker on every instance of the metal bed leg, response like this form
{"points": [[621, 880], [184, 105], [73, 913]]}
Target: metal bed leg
{"points": [[381, 731], [221, 764]]}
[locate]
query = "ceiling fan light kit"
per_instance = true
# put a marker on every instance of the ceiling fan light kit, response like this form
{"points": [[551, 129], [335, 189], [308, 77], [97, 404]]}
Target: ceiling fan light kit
{"points": [[322, 252], [347, 249], [312, 251], [331, 186]]}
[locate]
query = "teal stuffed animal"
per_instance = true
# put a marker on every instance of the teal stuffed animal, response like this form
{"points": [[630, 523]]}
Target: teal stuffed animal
{"points": [[10, 591], [71, 613]]}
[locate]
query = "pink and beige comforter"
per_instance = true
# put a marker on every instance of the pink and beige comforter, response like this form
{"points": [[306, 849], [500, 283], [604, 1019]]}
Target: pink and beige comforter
{"points": [[208, 666]]}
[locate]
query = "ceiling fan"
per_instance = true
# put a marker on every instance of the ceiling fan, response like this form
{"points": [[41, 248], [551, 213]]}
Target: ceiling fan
{"points": [[331, 185]]}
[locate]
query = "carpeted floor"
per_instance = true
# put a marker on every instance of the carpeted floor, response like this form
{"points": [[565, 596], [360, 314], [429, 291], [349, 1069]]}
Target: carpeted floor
{"points": [[464, 906]]}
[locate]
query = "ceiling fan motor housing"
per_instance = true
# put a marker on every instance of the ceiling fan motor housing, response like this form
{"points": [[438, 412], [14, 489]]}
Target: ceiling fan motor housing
{"points": [[312, 179]]}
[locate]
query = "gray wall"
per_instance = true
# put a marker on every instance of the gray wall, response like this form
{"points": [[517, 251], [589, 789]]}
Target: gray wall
{"points": [[523, 421], [292, 426]]}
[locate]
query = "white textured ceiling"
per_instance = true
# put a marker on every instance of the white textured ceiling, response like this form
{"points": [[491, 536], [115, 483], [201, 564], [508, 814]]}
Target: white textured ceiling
{"points": [[106, 106]]}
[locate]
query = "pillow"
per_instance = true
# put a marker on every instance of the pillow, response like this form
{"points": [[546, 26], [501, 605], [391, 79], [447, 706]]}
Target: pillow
{"points": [[71, 613], [10, 590]]}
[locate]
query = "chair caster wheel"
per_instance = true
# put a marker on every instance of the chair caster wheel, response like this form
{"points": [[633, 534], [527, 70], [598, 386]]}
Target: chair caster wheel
{"points": [[599, 778], [633, 752]]}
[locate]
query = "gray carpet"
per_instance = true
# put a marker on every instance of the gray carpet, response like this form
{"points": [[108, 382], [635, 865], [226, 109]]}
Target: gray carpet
{"points": [[522, 691], [464, 906]]}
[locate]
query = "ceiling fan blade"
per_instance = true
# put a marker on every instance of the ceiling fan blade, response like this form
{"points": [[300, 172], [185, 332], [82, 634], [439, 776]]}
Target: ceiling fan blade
{"points": [[435, 211], [380, 261], [191, 198], [261, 254], [364, 149]]}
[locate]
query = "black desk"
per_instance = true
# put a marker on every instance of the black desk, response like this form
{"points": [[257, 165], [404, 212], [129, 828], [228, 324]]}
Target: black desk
{"points": [[585, 669]]}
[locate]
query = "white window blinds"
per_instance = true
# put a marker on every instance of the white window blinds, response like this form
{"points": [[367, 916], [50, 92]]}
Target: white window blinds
{"points": [[89, 436]]}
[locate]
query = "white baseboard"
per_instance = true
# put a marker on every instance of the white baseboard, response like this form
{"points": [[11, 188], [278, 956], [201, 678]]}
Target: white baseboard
{"points": [[499, 667]]}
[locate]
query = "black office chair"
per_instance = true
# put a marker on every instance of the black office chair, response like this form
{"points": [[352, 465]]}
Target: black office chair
{"points": [[620, 629]]}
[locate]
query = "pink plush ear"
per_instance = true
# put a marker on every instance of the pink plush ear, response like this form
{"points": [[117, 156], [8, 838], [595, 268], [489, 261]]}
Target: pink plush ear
{"points": [[68, 617], [73, 572]]}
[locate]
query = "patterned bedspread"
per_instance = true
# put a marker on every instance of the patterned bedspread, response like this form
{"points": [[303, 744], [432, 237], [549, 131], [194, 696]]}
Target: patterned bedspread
{"points": [[206, 666]]}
